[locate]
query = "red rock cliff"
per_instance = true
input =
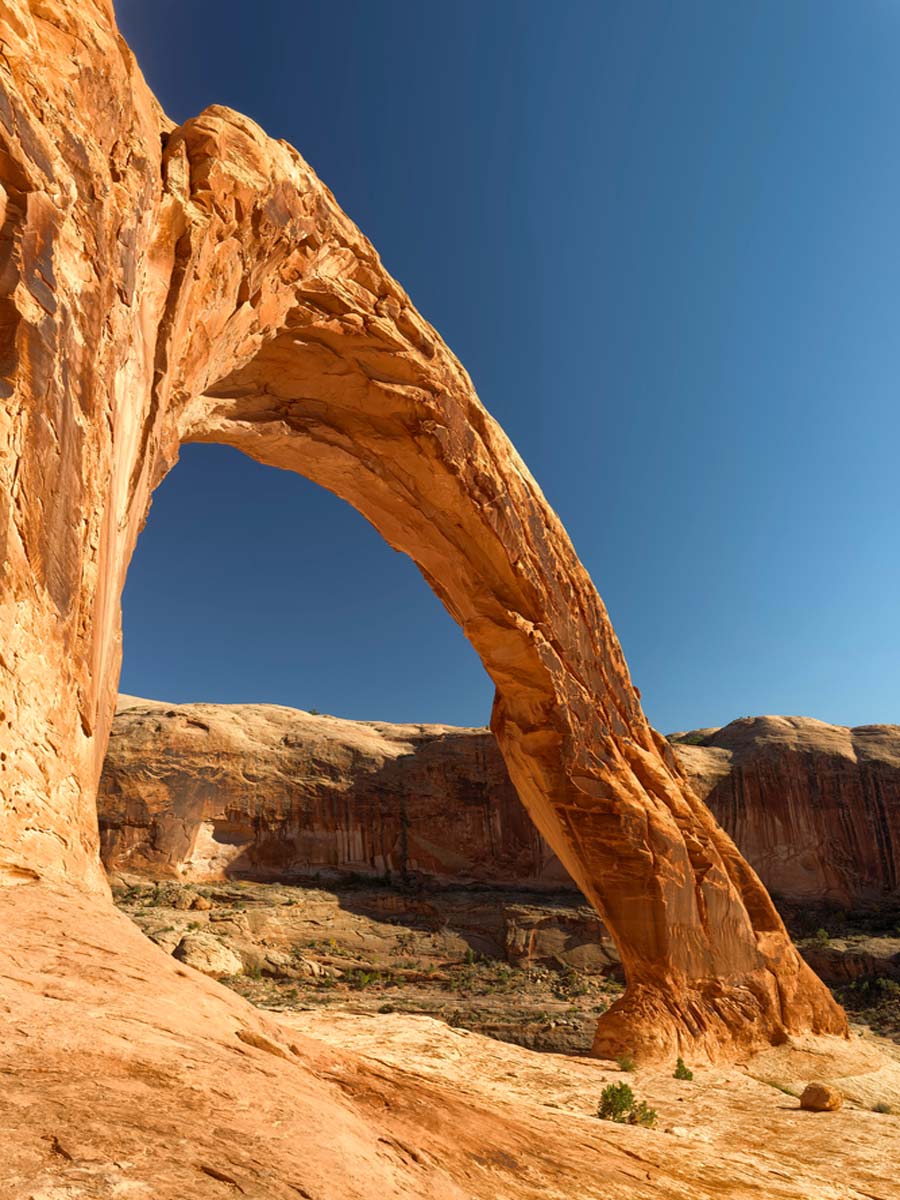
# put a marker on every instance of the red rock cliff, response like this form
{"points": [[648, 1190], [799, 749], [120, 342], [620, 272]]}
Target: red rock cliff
{"points": [[205, 791], [814, 807]]}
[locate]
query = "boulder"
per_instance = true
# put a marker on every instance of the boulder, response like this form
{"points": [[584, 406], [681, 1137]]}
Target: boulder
{"points": [[821, 1097], [205, 953]]}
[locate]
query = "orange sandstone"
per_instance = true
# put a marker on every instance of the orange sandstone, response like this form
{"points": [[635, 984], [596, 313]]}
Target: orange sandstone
{"points": [[164, 285]]}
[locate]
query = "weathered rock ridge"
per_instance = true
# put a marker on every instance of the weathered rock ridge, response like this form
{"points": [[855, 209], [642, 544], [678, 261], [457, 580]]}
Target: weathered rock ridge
{"points": [[210, 791], [162, 285], [204, 791], [814, 807]]}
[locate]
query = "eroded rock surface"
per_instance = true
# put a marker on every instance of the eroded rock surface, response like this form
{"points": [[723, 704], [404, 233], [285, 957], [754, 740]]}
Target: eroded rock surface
{"points": [[211, 791], [161, 285], [531, 969], [814, 807], [133, 1075]]}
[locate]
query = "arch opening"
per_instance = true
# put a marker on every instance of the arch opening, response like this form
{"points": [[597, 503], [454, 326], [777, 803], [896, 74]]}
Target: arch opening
{"points": [[255, 586]]}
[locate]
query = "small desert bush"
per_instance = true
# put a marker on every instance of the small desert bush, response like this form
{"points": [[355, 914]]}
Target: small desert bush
{"points": [[617, 1103], [681, 1071], [625, 1062], [881, 1107]]}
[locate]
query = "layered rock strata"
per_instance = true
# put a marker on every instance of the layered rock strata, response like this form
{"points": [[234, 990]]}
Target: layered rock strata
{"points": [[163, 285], [814, 807], [213, 791], [208, 791]]}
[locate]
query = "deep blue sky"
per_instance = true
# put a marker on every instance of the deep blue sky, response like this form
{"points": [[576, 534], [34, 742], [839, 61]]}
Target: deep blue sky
{"points": [[663, 238]]}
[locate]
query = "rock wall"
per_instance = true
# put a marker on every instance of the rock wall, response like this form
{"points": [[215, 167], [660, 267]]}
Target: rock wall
{"points": [[210, 791], [814, 807], [206, 791], [162, 285]]}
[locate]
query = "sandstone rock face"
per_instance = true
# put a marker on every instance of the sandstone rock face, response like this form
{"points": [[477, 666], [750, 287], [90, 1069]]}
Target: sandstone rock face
{"points": [[814, 807], [204, 791], [163, 285], [843, 960], [211, 791]]}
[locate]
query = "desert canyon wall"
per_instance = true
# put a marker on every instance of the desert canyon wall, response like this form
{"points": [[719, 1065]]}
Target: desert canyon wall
{"points": [[163, 285], [212, 791], [814, 807], [209, 791]]}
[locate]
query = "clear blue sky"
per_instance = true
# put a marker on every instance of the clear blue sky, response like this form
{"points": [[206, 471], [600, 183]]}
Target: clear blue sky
{"points": [[664, 238]]}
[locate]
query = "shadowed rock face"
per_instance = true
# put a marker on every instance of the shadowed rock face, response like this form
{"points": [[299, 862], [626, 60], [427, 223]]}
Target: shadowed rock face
{"points": [[814, 807], [206, 791], [211, 791], [163, 285]]}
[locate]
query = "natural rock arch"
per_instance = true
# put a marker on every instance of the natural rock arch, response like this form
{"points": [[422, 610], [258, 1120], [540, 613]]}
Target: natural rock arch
{"points": [[167, 285]]}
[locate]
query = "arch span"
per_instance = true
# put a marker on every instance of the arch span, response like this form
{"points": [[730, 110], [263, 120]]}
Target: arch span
{"points": [[236, 303]]}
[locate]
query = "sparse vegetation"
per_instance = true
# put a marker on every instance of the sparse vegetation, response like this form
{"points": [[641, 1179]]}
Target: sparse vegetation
{"points": [[618, 1103], [823, 937], [781, 1087], [359, 979], [690, 739], [681, 1071], [571, 983], [881, 1107], [427, 965], [625, 1062]]}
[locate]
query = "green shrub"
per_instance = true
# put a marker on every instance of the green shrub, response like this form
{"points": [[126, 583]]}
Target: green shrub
{"points": [[617, 1103], [625, 1062], [681, 1071], [642, 1115], [881, 1107], [691, 739], [359, 979], [823, 937]]}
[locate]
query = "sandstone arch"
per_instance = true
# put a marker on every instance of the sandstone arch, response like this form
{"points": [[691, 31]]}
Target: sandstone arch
{"points": [[166, 285]]}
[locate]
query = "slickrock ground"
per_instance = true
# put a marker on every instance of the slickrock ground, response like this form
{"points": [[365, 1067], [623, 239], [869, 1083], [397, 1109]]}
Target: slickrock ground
{"points": [[741, 1129], [814, 807], [114, 1086]]}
